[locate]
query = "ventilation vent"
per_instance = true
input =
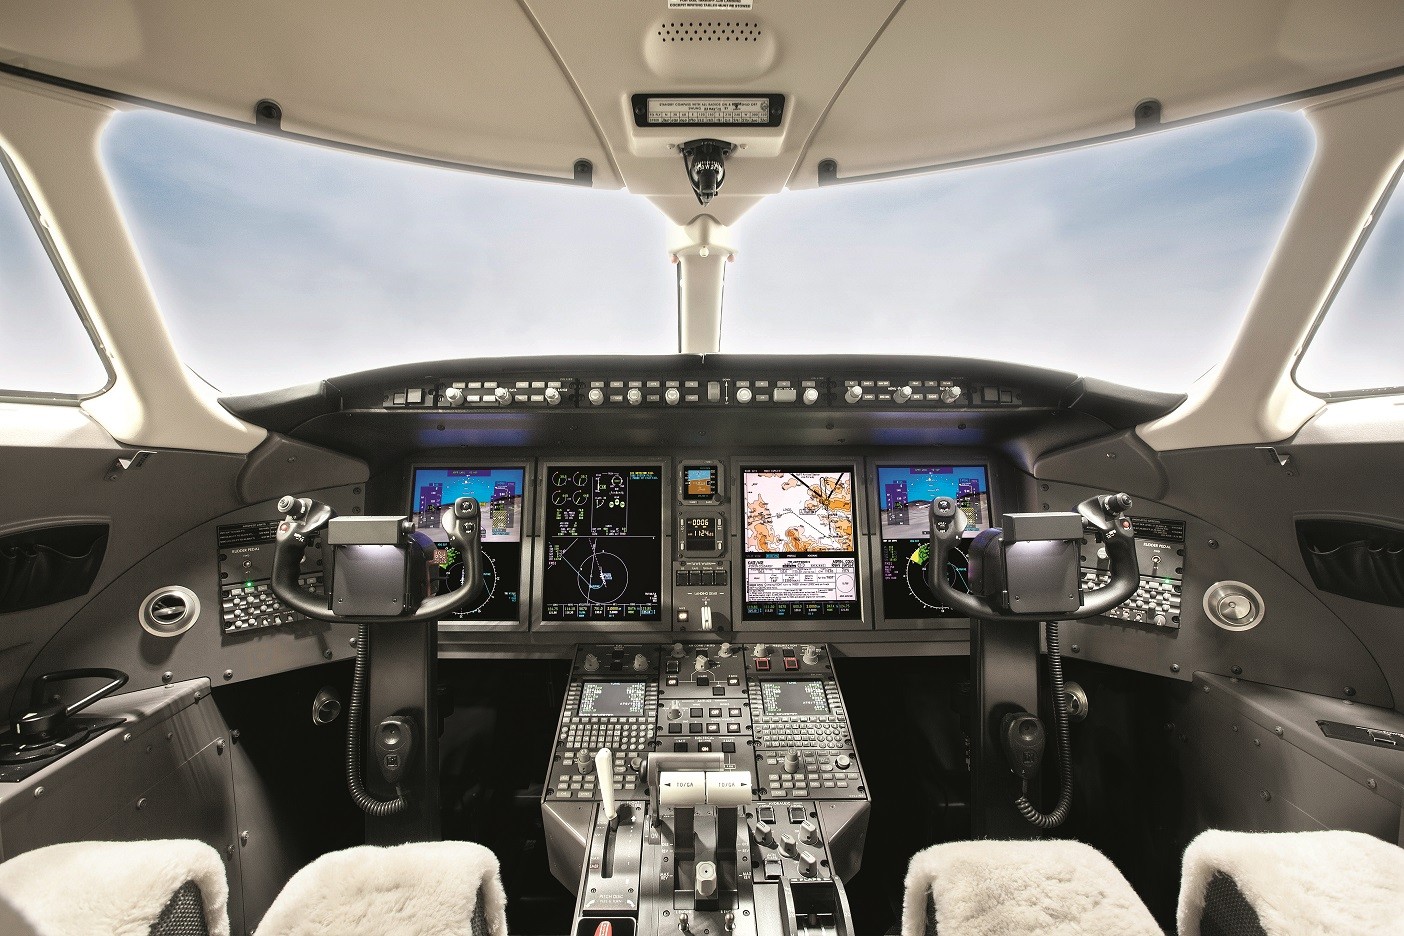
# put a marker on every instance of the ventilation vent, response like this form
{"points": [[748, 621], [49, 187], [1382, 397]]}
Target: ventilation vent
{"points": [[169, 611], [718, 52], [710, 32]]}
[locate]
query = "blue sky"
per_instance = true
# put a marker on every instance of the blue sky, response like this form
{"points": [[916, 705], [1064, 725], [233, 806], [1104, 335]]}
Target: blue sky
{"points": [[255, 245]]}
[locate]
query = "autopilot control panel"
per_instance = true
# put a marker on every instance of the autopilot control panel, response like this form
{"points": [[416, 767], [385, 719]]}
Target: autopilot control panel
{"points": [[705, 787]]}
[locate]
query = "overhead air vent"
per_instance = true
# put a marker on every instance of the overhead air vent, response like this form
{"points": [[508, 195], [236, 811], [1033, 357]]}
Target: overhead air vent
{"points": [[724, 31], [709, 50], [169, 611]]}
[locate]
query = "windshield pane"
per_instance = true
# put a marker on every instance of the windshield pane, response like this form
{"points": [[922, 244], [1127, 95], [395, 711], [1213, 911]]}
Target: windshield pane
{"points": [[1133, 261], [1358, 345], [276, 262]]}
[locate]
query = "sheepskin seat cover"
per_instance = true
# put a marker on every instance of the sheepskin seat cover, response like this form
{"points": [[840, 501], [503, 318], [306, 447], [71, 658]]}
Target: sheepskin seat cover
{"points": [[1299, 882], [113, 888], [995, 888], [418, 889]]}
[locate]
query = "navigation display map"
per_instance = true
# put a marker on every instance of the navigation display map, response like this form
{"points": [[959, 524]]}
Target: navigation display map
{"points": [[604, 529], [499, 491], [905, 493], [801, 560]]}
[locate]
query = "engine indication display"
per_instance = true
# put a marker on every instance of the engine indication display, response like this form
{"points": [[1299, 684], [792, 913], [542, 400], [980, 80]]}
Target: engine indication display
{"points": [[499, 491], [905, 493], [801, 560], [604, 528]]}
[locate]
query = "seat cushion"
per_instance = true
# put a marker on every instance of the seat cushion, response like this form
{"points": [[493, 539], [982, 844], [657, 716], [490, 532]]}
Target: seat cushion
{"points": [[442, 888], [1255, 883], [996, 888], [120, 888]]}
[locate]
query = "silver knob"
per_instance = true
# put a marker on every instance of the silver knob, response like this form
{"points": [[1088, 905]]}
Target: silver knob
{"points": [[640, 662], [677, 650], [809, 866], [743, 394], [674, 713], [725, 651], [792, 762], [788, 844], [671, 396], [842, 762], [584, 761], [809, 832], [810, 396], [592, 663], [502, 395], [453, 396], [634, 396], [810, 656], [553, 396], [760, 650], [763, 835], [901, 394], [699, 665], [853, 394], [950, 394], [595, 396]]}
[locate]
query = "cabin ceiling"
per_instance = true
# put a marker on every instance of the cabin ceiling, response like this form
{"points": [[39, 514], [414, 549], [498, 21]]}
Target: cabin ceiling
{"points": [[536, 85]]}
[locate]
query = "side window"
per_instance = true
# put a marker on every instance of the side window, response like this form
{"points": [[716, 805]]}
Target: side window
{"points": [[45, 348], [1356, 345]]}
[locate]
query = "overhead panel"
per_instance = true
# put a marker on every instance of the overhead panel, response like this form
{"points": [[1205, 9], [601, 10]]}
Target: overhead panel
{"points": [[951, 82], [466, 82]]}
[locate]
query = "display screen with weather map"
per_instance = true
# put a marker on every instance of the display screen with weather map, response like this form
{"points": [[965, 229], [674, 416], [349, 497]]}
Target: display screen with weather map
{"points": [[604, 559], [499, 492], [905, 493], [801, 560]]}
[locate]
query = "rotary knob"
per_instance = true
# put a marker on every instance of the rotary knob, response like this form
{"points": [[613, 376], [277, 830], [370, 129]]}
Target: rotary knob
{"points": [[788, 845], [502, 395], [743, 394], [792, 763], [553, 396], [725, 651], [760, 650], [842, 762], [699, 665], [640, 662], [453, 396], [677, 650], [674, 712], [592, 663], [853, 394], [584, 761], [809, 865], [901, 394], [810, 656], [671, 396], [634, 396], [763, 834], [950, 394], [810, 396], [809, 832], [595, 396]]}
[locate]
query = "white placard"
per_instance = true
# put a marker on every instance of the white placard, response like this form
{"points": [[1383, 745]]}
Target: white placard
{"points": [[684, 112], [709, 4]]}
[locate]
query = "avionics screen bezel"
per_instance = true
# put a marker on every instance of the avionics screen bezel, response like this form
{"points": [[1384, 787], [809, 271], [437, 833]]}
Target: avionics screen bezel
{"points": [[525, 546], [862, 617], [923, 458], [539, 621]]}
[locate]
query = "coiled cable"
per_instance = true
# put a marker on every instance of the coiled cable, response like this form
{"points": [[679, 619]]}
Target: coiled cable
{"points": [[355, 755], [1060, 812]]}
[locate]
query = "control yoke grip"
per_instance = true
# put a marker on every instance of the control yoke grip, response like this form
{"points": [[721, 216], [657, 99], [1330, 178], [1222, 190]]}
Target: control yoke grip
{"points": [[304, 517], [1103, 513]]}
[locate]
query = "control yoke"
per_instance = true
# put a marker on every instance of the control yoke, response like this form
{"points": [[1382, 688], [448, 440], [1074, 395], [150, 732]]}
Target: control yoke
{"points": [[1029, 570], [381, 563]]}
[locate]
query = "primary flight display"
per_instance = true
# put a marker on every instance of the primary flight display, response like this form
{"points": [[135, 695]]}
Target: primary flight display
{"points": [[499, 491], [905, 493]]}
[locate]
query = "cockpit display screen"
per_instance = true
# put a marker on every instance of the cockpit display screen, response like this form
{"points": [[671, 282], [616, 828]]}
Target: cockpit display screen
{"points": [[603, 534], [794, 697], [614, 699], [499, 491], [699, 483], [905, 493], [801, 559]]}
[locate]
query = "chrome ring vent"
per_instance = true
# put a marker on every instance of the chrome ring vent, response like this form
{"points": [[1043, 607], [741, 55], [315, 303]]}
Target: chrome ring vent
{"points": [[1234, 606], [169, 611]]}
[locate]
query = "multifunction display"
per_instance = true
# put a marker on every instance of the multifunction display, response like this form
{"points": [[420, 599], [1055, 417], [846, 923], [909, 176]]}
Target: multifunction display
{"points": [[794, 697], [905, 493], [499, 491], [801, 560], [612, 699], [603, 534]]}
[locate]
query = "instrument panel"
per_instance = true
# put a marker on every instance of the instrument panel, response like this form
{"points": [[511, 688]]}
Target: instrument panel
{"points": [[758, 544]]}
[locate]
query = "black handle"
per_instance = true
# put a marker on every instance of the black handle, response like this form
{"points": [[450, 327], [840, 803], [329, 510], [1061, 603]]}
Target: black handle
{"points": [[116, 679], [304, 517], [1105, 513]]}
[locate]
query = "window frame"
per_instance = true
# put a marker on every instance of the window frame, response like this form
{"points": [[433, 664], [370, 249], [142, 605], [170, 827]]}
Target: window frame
{"points": [[46, 240], [1359, 247]]}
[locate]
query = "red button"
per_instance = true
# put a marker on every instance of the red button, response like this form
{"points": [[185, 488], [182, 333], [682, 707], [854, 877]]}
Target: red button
{"points": [[763, 664], [791, 663]]}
